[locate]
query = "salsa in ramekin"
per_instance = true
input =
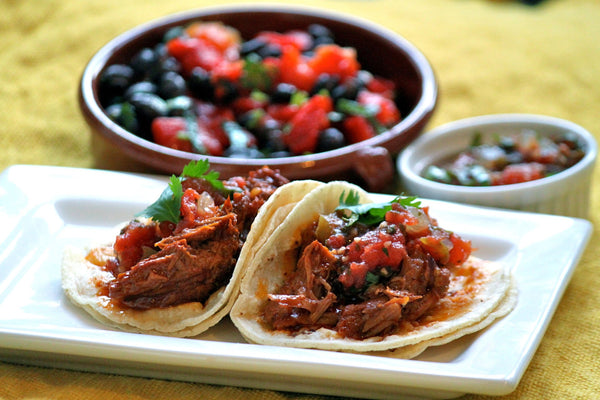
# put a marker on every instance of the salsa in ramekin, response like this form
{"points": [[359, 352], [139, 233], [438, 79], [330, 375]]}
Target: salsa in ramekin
{"points": [[506, 159]]}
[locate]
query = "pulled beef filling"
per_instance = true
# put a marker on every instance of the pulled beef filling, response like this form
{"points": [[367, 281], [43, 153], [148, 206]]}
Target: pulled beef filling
{"points": [[364, 281], [166, 264]]}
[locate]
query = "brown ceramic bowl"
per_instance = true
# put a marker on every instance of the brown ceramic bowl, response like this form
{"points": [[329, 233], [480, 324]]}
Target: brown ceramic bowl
{"points": [[369, 163]]}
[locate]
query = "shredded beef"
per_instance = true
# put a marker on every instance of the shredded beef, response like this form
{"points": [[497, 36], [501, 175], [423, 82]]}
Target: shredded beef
{"points": [[181, 272], [166, 264], [313, 296]]}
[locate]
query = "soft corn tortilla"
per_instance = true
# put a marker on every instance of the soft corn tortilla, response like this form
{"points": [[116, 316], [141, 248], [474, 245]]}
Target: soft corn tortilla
{"points": [[80, 279], [473, 302]]}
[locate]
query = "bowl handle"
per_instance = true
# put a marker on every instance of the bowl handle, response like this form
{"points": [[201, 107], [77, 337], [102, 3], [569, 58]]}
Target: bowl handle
{"points": [[375, 166]]}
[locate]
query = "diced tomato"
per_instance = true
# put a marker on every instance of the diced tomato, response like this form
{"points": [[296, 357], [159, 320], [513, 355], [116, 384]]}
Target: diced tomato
{"points": [[336, 241], [357, 129], [294, 69], [173, 132], [383, 86], [282, 112], [219, 35], [194, 52], [388, 112], [244, 104], [170, 132], [211, 118], [460, 251], [228, 70], [355, 275], [212, 46], [299, 39], [518, 173], [130, 244], [307, 123], [435, 246], [334, 60], [209, 134], [401, 217], [188, 208]]}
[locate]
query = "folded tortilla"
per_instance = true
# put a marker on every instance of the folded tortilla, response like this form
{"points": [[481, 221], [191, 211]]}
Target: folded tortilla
{"points": [[81, 278], [480, 291]]}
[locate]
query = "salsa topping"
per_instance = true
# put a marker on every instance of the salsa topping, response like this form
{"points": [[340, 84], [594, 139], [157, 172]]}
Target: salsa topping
{"points": [[508, 159], [187, 244], [366, 269], [204, 89]]}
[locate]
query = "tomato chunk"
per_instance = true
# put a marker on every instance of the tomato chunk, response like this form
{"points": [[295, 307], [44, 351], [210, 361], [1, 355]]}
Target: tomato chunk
{"points": [[357, 129], [334, 60], [388, 113], [171, 132], [307, 123]]}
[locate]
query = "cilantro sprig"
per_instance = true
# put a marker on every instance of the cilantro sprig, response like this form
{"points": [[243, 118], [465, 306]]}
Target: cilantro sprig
{"points": [[369, 213], [166, 207]]}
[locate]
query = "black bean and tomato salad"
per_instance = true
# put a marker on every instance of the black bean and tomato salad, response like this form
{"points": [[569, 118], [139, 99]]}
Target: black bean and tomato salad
{"points": [[508, 159], [206, 90]]}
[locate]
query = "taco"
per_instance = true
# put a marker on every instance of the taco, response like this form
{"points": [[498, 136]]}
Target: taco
{"points": [[174, 269], [344, 273]]}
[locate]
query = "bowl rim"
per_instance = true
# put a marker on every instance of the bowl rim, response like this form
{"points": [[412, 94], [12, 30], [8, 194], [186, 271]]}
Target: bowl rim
{"points": [[94, 114], [408, 173]]}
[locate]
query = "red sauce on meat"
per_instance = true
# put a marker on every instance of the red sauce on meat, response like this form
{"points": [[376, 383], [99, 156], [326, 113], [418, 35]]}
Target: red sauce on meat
{"points": [[166, 264], [365, 281]]}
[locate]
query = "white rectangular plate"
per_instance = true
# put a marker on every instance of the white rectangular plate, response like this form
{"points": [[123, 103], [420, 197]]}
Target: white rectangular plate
{"points": [[43, 209]]}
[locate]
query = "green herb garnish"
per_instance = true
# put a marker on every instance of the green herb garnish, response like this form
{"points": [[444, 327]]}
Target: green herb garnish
{"points": [[372, 279], [166, 208], [255, 73], [369, 213]]}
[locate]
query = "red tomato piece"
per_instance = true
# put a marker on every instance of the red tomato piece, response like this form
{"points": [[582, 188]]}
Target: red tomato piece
{"points": [[282, 112], [211, 117], [357, 129], [518, 173], [244, 104], [298, 39], [388, 112], [307, 123], [334, 60], [194, 52], [383, 86], [130, 244], [294, 69], [219, 35], [173, 132], [229, 70], [170, 132], [460, 251]]}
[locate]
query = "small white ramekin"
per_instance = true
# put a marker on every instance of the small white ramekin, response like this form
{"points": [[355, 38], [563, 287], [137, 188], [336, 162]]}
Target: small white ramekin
{"points": [[566, 193]]}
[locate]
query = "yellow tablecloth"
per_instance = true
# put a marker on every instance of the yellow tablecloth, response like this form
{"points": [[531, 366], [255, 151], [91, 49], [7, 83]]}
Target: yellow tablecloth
{"points": [[489, 57]]}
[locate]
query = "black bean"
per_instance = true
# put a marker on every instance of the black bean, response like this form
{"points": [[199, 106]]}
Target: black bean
{"points": [[171, 84], [252, 46], [330, 139], [283, 93], [318, 30], [116, 78], [124, 115], [148, 106], [325, 82], [180, 106], [142, 86], [199, 83]]}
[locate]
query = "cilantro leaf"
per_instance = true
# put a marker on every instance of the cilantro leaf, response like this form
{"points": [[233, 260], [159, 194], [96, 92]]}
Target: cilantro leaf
{"points": [[369, 213], [255, 74], [372, 279], [201, 169], [166, 208]]}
